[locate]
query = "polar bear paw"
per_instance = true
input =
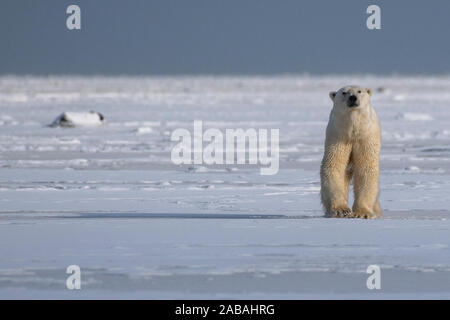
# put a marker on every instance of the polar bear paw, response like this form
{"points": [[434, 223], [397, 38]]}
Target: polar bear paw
{"points": [[341, 212], [364, 215]]}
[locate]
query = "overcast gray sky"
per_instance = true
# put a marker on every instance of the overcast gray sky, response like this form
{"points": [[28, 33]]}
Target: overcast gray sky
{"points": [[224, 37]]}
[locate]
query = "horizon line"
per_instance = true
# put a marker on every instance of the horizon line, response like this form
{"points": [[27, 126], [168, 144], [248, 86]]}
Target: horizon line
{"points": [[223, 75]]}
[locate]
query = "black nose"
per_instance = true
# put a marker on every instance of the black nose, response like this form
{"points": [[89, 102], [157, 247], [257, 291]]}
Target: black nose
{"points": [[352, 98]]}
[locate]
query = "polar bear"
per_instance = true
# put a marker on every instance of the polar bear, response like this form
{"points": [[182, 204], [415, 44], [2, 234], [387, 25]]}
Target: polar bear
{"points": [[352, 150]]}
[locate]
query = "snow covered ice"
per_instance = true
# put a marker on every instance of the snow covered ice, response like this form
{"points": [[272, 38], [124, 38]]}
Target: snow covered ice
{"points": [[109, 199], [73, 119]]}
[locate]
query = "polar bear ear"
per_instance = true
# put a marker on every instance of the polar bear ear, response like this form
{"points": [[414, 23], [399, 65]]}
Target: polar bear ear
{"points": [[332, 95], [369, 91]]}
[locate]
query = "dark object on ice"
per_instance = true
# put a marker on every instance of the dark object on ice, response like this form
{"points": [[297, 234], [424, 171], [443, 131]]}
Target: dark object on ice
{"points": [[75, 119]]}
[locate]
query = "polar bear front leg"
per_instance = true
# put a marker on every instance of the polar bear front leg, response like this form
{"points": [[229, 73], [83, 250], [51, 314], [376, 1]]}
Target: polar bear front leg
{"points": [[365, 182], [334, 180]]}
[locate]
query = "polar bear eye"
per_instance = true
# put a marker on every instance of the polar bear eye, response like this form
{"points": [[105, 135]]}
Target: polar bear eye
{"points": [[344, 93], [359, 91]]}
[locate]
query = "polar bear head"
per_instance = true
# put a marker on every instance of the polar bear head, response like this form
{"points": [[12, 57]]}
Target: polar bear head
{"points": [[351, 97]]}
